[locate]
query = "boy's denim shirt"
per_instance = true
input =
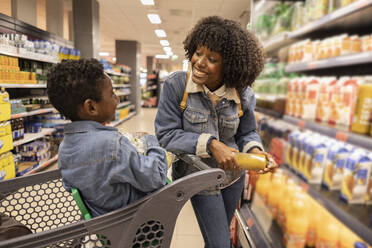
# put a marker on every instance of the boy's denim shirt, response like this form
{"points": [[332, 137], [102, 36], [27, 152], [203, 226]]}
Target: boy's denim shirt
{"points": [[106, 168], [191, 131]]}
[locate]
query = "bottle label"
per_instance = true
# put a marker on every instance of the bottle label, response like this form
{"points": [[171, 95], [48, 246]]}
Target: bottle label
{"points": [[295, 240]]}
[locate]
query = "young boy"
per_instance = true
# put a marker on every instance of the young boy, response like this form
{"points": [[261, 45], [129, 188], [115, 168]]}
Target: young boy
{"points": [[97, 159]]}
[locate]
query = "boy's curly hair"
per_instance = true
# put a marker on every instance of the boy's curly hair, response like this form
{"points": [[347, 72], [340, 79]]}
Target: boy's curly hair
{"points": [[71, 82], [242, 54]]}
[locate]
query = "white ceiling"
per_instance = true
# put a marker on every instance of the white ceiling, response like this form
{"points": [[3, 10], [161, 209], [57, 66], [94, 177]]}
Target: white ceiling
{"points": [[127, 20]]}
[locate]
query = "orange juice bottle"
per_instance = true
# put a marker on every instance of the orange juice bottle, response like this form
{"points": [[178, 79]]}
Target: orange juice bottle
{"points": [[291, 191], [275, 193], [287, 188], [328, 232], [263, 185], [297, 221], [314, 220]]}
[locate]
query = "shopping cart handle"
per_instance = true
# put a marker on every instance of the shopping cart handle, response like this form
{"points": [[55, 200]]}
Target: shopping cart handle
{"points": [[194, 161]]}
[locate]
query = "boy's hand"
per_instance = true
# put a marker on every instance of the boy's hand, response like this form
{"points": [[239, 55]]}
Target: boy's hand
{"points": [[272, 165], [223, 154]]}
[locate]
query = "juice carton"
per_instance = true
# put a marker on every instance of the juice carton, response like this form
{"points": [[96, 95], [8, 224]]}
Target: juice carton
{"points": [[335, 100], [363, 108], [296, 96], [291, 145], [369, 191], [334, 166], [308, 51], [324, 99], [297, 149], [345, 44], [356, 177], [309, 136], [345, 111], [314, 166], [311, 99], [301, 96]]}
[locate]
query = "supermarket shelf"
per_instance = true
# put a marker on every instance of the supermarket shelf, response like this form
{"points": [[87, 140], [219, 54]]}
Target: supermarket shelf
{"points": [[277, 42], [347, 60], [117, 73], [34, 136], [123, 94], [116, 123], [30, 56], [35, 112], [349, 137], [123, 104], [359, 9], [355, 217], [268, 112], [23, 85], [43, 165], [347, 17], [121, 85]]}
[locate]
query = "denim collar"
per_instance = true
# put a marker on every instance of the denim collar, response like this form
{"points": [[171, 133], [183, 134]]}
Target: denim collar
{"points": [[228, 93], [85, 126]]}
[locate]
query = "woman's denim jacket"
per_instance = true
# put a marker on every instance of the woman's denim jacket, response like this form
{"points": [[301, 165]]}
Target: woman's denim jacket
{"points": [[190, 131]]}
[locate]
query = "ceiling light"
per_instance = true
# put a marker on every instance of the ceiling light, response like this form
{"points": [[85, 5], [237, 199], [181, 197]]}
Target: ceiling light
{"points": [[167, 49], [161, 56], [164, 43], [154, 18], [114, 59], [174, 57], [160, 33], [147, 2], [169, 53], [103, 54]]}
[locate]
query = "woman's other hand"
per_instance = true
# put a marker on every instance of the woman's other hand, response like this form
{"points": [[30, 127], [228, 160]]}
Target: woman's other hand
{"points": [[272, 165], [224, 155]]}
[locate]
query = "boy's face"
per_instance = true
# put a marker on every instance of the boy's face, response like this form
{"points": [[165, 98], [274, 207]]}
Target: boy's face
{"points": [[107, 106]]}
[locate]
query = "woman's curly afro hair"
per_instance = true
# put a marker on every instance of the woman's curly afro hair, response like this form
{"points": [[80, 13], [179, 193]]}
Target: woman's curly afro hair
{"points": [[242, 54], [71, 82]]}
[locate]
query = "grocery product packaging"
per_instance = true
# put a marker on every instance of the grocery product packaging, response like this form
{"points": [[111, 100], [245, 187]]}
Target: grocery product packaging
{"points": [[323, 109], [356, 177], [334, 166], [310, 98], [314, 165], [363, 108]]}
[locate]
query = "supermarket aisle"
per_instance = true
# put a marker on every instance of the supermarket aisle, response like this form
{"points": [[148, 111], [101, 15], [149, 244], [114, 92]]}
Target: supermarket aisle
{"points": [[187, 233]]}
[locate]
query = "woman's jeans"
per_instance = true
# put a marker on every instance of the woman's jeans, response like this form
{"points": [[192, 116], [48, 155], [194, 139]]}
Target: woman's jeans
{"points": [[215, 212]]}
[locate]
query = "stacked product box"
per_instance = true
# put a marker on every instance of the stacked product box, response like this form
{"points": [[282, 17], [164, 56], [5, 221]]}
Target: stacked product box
{"points": [[7, 169], [32, 154]]}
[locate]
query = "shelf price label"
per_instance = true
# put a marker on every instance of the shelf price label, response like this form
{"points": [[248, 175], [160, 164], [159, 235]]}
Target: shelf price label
{"points": [[250, 222], [342, 136], [301, 124]]}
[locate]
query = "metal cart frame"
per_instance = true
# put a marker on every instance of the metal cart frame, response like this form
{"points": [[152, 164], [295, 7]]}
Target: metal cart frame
{"points": [[40, 202]]}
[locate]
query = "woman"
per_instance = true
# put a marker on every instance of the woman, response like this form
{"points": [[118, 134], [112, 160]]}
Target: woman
{"points": [[210, 112]]}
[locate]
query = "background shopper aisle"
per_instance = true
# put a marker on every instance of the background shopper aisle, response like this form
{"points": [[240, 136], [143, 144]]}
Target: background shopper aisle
{"points": [[187, 233]]}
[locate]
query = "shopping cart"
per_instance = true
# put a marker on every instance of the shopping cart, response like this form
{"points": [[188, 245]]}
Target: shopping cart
{"points": [[41, 203]]}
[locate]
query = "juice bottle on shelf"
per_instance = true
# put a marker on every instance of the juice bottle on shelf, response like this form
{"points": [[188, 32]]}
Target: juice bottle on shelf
{"points": [[314, 220], [328, 232], [363, 108], [275, 193], [297, 222], [346, 238], [263, 185], [285, 201], [286, 206]]}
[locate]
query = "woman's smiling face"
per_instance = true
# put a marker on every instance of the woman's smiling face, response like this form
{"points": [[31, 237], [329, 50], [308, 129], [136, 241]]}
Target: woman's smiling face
{"points": [[207, 68]]}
